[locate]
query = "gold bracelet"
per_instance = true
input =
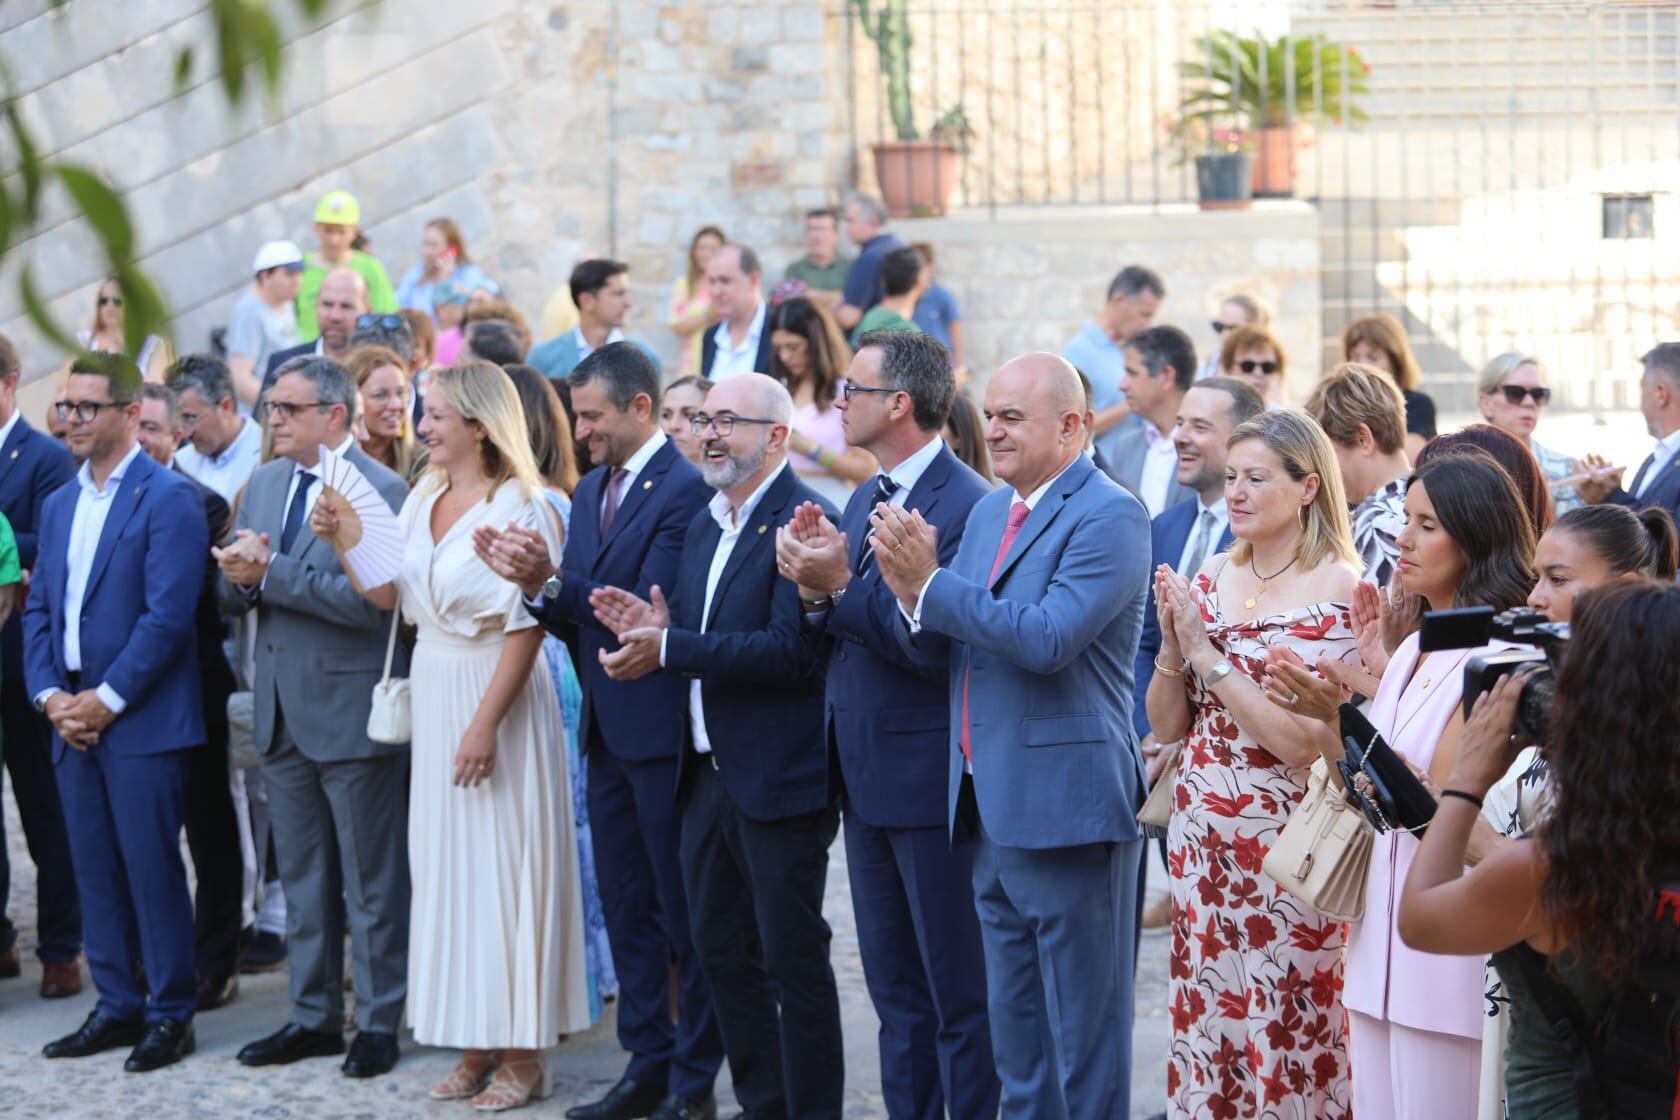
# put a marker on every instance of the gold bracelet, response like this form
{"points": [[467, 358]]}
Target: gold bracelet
{"points": [[1166, 672]]}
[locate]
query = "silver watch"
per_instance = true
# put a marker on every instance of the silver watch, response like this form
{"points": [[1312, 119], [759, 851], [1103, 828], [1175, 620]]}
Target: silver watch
{"points": [[551, 587], [1220, 670]]}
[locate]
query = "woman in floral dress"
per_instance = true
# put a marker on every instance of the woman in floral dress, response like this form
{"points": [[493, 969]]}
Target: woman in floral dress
{"points": [[1258, 1029]]}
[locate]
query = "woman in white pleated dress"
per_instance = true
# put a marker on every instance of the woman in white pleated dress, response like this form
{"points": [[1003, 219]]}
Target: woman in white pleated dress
{"points": [[496, 946]]}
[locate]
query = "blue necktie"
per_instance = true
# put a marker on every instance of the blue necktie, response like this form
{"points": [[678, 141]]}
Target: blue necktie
{"points": [[297, 514], [885, 488]]}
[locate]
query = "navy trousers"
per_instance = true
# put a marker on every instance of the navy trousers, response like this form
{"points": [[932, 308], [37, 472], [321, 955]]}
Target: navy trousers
{"points": [[28, 751], [913, 899], [633, 817], [125, 817]]}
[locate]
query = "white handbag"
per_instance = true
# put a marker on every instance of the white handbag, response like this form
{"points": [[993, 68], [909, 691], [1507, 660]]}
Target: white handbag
{"points": [[391, 718]]}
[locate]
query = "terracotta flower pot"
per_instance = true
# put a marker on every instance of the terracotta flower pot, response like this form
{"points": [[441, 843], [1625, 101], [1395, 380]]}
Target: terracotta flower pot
{"points": [[917, 177], [1274, 161], [1224, 181]]}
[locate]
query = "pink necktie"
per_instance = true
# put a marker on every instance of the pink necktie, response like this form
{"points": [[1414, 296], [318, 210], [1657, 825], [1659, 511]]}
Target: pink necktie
{"points": [[1017, 517]]}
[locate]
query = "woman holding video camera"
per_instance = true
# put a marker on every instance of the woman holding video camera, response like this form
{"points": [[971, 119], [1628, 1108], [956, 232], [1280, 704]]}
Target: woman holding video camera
{"points": [[1415, 1019], [1583, 890]]}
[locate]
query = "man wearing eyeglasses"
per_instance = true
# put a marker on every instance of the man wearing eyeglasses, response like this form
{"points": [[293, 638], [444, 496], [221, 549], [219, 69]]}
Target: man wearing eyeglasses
{"points": [[1160, 368], [629, 518], [337, 800], [887, 720], [223, 447], [754, 793], [342, 300], [110, 660]]}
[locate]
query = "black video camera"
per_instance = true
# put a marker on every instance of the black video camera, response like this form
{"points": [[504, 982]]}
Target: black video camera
{"points": [[1469, 627]]}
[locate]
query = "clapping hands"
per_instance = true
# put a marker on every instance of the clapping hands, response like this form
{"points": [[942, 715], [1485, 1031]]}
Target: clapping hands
{"points": [[813, 553], [906, 550], [1382, 619], [639, 624], [244, 561], [518, 555]]}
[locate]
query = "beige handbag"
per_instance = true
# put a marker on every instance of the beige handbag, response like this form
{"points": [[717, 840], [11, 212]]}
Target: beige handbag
{"points": [[1156, 812], [1323, 854], [391, 718]]}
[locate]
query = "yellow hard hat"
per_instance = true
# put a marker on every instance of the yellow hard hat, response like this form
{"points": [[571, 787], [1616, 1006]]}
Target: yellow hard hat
{"points": [[338, 208]]}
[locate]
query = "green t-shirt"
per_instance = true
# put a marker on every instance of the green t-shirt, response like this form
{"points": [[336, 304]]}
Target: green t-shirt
{"points": [[821, 279], [878, 318], [11, 572], [381, 296]]}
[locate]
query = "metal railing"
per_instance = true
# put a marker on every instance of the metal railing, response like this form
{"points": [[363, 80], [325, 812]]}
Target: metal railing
{"points": [[1515, 181]]}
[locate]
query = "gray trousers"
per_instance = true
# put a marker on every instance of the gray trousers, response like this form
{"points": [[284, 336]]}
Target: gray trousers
{"points": [[341, 841]]}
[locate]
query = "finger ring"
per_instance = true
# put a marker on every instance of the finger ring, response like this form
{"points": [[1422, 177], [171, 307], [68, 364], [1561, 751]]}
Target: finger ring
{"points": [[1293, 699], [895, 545]]}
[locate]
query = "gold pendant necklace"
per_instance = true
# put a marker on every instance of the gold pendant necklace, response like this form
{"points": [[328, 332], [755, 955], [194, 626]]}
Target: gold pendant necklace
{"points": [[1260, 588]]}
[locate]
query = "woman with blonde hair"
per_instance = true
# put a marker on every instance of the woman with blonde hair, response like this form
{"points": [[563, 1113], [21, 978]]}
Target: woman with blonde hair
{"points": [[1380, 341], [1255, 974], [382, 379], [104, 335], [1511, 395], [691, 308], [496, 950]]}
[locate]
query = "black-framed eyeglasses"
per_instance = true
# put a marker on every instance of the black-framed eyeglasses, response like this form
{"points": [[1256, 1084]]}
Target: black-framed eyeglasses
{"points": [[848, 389], [83, 412], [1515, 394], [388, 321], [1267, 368], [723, 423], [1221, 328], [288, 409]]}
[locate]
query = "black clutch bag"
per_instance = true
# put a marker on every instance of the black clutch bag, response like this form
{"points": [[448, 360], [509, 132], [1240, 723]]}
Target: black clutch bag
{"points": [[1378, 781]]}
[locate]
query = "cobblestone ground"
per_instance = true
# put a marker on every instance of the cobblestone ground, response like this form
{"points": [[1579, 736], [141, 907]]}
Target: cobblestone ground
{"points": [[211, 1085]]}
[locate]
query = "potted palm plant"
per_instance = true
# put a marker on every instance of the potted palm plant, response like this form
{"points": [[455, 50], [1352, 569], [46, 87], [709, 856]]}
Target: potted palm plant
{"points": [[1274, 89], [916, 175]]}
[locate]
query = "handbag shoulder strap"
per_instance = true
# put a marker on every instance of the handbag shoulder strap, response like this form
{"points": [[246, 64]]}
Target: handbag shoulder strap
{"points": [[391, 642], [1568, 1021]]}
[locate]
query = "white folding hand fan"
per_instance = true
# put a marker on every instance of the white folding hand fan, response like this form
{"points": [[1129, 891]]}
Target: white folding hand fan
{"points": [[367, 529]]}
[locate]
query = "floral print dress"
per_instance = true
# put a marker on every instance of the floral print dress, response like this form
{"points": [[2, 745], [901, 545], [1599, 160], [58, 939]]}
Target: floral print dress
{"points": [[1258, 1029]]}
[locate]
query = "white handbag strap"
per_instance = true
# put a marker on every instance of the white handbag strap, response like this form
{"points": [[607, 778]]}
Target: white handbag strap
{"points": [[391, 642]]}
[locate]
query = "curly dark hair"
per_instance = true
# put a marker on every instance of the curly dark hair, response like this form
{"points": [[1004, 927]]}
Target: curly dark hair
{"points": [[1611, 833], [1478, 505]]}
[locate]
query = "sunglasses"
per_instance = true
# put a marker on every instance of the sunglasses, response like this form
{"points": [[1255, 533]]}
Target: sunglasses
{"points": [[110, 301], [1267, 368], [1515, 394], [387, 322]]}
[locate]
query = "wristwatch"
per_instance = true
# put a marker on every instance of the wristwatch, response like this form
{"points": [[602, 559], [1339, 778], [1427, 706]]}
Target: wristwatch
{"points": [[826, 603], [551, 587], [1220, 670]]}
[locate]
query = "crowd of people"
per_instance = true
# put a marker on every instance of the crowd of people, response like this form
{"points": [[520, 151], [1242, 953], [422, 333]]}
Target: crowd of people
{"points": [[664, 631]]}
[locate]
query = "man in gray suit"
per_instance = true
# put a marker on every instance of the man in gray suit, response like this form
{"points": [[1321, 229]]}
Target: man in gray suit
{"points": [[338, 800], [1160, 368]]}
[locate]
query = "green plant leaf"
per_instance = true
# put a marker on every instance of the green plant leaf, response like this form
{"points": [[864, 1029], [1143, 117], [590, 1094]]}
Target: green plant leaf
{"points": [[102, 208], [35, 307]]}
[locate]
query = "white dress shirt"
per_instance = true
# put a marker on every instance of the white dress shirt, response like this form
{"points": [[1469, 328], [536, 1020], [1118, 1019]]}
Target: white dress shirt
{"points": [[583, 347], [6, 428], [731, 522], [87, 525], [314, 495], [732, 359], [1221, 518], [1661, 454], [1160, 461], [227, 472], [908, 473]]}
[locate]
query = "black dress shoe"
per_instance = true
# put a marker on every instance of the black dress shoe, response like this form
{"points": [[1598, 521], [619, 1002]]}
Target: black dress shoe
{"points": [[674, 1107], [167, 1041], [371, 1054], [628, 1100], [214, 992], [266, 953], [289, 1044], [96, 1034]]}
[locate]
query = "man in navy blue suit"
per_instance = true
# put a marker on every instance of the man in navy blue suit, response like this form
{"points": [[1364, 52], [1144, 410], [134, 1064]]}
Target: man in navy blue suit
{"points": [[887, 722], [758, 813], [1657, 481], [1182, 537], [1040, 613], [109, 646], [32, 466], [629, 519]]}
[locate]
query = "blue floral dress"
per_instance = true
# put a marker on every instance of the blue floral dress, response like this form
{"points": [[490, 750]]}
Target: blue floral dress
{"points": [[603, 980]]}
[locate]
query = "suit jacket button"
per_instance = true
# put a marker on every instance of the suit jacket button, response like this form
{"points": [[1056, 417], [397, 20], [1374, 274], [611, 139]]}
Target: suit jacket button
{"points": [[269, 649], [842, 654]]}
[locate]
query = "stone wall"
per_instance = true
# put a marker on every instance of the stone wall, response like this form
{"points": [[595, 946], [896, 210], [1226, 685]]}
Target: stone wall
{"points": [[546, 129]]}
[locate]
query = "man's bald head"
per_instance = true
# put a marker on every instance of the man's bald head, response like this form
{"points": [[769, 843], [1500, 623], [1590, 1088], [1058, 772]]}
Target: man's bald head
{"points": [[343, 296], [1035, 419], [753, 394], [758, 411]]}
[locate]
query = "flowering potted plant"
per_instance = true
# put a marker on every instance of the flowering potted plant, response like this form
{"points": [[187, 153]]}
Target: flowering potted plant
{"points": [[916, 175], [1275, 89]]}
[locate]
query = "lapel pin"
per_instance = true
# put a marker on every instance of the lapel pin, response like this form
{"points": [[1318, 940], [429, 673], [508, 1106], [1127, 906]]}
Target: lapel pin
{"points": [[761, 529], [14, 453], [648, 485]]}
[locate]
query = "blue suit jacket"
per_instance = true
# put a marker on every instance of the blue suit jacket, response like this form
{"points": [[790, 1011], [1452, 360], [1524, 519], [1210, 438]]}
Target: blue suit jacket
{"points": [[1169, 533], [1664, 491], [139, 612], [643, 719], [32, 466], [1050, 643], [761, 683], [888, 713]]}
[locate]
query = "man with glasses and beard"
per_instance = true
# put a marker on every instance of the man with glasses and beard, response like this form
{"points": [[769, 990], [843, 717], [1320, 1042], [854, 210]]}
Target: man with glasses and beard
{"points": [[757, 811]]}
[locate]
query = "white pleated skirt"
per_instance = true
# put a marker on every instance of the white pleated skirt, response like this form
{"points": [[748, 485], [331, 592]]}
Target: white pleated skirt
{"points": [[496, 949]]}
